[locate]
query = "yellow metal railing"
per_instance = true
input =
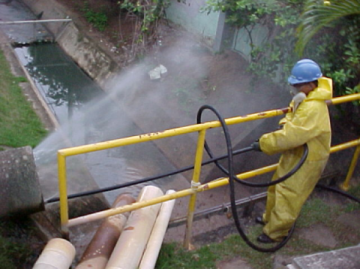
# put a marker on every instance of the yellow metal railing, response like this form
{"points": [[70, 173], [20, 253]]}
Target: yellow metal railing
{"points": [[195, 184]]}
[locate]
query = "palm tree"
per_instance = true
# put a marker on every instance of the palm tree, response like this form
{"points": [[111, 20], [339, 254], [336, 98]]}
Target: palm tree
{"points": [[315, 17]]}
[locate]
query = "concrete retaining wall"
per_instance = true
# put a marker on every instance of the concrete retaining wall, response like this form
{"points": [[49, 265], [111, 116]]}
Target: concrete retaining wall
{"points": [[19, 183]]}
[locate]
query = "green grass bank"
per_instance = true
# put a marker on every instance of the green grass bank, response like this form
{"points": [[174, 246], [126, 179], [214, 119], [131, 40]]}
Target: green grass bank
{"points": [[20, 125]]}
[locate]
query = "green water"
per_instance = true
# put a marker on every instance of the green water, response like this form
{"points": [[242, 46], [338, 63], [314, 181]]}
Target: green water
{"points": [[63, 85]]}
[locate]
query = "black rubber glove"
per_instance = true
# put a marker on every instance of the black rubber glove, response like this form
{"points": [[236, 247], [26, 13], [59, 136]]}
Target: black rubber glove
{"points": [[256, 145]]}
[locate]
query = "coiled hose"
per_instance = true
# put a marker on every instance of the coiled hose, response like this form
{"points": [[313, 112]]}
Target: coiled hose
{"points": [[232, 178]]}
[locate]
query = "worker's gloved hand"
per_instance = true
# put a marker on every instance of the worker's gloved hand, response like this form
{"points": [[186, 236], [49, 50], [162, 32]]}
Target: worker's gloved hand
{"points": [[256, 145]]}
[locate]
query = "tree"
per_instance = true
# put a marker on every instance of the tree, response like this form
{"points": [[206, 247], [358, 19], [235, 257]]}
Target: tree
{"points": [[315, 17], [332, 27], [339, 21]]}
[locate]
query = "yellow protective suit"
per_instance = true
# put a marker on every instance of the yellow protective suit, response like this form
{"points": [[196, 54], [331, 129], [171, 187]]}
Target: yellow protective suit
{"points": [[309, 123]]}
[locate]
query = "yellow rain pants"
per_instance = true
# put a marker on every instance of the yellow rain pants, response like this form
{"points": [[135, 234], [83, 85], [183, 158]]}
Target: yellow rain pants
{"points": [[310, 124]]}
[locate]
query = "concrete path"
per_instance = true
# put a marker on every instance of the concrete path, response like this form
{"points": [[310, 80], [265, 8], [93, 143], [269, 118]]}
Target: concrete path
{"points": [[348, 258]]}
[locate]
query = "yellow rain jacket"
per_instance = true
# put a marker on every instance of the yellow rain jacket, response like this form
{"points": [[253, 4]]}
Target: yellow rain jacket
{"points": [[309, 123]]}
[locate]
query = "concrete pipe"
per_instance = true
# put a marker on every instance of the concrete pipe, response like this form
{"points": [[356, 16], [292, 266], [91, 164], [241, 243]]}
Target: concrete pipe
{"points": [[102, 244], [132, 242], [153, 247], [57, 254]]}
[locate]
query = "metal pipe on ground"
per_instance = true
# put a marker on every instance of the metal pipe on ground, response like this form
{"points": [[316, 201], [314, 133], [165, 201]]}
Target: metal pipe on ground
{"points": [[34, 21], [132, 242], [57, 254], [102, 244]]}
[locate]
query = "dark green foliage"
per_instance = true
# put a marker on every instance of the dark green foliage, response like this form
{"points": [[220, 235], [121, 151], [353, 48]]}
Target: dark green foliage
{"points": [[328, 34]]}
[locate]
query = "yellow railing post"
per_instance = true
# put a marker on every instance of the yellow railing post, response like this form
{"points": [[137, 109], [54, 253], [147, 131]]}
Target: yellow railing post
{"points": [[64, 215], [345, 185], [194, 185]]}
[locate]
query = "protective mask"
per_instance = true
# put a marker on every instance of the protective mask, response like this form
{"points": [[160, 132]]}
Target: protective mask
{"points": [[293, 91], [298, 98]]}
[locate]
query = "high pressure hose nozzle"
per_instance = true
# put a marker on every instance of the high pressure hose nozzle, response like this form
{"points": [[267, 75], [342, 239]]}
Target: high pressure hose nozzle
{"points": [[256, 145]]}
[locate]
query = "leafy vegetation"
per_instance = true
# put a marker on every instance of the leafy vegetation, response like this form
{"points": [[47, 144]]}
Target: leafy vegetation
{"points": [[317, 16], [147, 13], [98, 19], [143, 16], [20, 125], [325, 32], [339, 20]]}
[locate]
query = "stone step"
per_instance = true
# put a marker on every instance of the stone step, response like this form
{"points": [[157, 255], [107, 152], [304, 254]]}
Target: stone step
{"points": [[348, 258]]}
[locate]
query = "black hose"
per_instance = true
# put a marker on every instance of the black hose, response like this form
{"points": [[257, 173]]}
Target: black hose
{"points": [[232, 178], [251, 184], [343, 193], [211, 160], [232, 187], [147, 179]]}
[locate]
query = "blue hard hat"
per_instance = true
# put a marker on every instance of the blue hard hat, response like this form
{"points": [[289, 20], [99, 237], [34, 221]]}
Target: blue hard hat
{"points": [[305, 70]]}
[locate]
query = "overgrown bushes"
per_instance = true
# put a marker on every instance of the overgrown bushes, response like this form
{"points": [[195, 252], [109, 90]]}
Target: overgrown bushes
{"points": [[335, 47]]}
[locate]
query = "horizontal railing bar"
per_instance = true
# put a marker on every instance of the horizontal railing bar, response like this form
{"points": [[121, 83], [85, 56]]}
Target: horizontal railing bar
{"points": [[186, 129], [186, 192]]}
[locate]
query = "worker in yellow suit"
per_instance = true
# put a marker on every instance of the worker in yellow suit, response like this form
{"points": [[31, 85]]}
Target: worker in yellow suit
{"points": [[309, 123]]}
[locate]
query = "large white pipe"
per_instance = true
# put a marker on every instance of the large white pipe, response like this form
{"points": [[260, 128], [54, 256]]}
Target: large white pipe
{"points": [[132, 242], [57, 254], [102, 244], [153, 247]]}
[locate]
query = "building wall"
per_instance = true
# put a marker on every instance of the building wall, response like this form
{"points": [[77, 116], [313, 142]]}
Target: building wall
{"points": [[211, 28], [242, 42], [188, 15]]}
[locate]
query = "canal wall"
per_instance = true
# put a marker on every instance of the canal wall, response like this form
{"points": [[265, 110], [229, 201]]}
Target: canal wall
{"points": [[81, 48]]}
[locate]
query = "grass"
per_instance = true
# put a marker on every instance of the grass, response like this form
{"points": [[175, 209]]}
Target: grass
{"points": [[20, 126], [355, 191], [315, 211], [98, 19], [19, 245]]}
